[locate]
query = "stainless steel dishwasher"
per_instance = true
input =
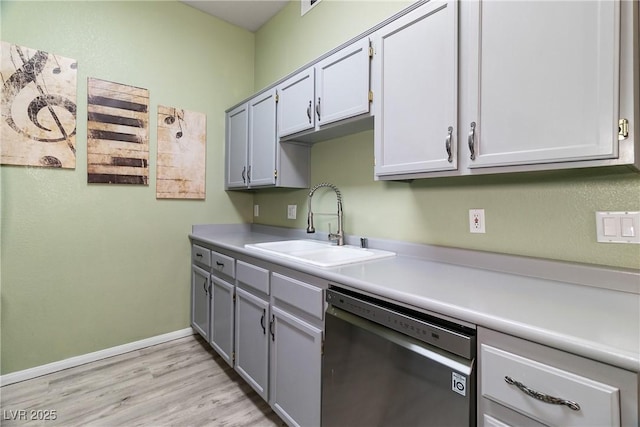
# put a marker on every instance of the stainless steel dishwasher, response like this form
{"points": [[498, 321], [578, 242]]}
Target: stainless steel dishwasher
{"points": [[387, 365]]}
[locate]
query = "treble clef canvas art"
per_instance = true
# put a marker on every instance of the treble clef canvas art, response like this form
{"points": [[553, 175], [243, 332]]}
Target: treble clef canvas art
{"points": [[38, 108]]}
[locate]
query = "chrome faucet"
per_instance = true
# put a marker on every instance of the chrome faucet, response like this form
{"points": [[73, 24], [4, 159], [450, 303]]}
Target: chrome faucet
{"points": [[339, 236]]}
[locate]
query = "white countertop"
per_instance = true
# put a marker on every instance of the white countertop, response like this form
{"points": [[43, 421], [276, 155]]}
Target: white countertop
{"points": [[597, 323]]}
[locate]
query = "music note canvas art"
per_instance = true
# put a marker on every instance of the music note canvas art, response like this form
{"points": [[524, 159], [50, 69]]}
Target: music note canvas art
{"points": [[38, 108], [117, 133], [182, 138]]}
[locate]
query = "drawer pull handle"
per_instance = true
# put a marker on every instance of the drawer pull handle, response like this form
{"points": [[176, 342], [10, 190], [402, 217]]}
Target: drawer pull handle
{"points": [[542, 396], [220, 264], [199, 255]]}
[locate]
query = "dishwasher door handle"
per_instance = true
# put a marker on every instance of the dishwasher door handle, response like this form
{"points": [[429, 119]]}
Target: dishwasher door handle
{"points": [[433, 353]]}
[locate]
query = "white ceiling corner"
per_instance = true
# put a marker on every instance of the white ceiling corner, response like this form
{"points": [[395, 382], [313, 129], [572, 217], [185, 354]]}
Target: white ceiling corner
{"points": [[248, 14]]}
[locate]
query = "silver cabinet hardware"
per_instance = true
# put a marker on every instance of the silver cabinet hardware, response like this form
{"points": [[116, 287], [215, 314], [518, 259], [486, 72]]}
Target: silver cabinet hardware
{"points": [[309, 111], [249, 175], [271, 324], [318, 108], [471, 140], [244, 171], [448, 144], [542, 396], [264, 329]]}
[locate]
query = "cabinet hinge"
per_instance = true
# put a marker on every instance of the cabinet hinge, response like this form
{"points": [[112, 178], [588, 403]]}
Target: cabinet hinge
{"points": [[623, 128], [275, 173], [370, 96], [370, 51], [277, 97], [234, 297], [233, 357], [322, 348]]}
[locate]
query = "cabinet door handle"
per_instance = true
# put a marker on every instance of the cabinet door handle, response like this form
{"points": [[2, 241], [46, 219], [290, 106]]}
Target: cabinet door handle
{"points": [[264, 329], [318, 108], [448, 144], [471, 140], [273, 320], [249, 175], [206, 288], [542, 396], [244, 170], [309, 111]]}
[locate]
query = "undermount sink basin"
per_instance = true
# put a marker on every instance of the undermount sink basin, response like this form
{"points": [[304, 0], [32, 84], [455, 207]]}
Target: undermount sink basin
{"points": [[320, 254]]}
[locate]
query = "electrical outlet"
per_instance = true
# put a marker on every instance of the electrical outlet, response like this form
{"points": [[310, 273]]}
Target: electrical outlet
{"points": [[291, 211], [476, 221], [256, 210]]}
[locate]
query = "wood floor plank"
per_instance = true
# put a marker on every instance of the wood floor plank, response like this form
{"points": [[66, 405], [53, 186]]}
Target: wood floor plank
{"points": [[178, 383]]}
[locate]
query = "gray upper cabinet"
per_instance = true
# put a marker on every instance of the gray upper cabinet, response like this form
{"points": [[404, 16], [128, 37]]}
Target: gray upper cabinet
{"points": [[543, 82], [255, 157], [342, 84], [416, 91], [262, 140], [295, 98], [334, 89], [237, 145]]}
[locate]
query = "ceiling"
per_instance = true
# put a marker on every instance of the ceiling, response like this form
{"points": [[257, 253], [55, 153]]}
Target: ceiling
{"points": [[248, 14]]}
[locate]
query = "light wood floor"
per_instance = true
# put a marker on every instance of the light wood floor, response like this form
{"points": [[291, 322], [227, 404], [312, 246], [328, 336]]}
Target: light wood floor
{"points": [[179, 383]]}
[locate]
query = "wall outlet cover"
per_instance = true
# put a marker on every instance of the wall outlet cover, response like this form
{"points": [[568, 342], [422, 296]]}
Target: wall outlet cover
{"points": [[476, 221], [292, 211]]}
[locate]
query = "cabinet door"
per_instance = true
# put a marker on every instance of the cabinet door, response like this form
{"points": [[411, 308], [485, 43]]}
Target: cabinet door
{"points": [[262, 140], [545, 83], [252, 340], [295, 104], [416, 91], [200, 301], [237, 128], [342, 84], [222, 318], [296, 359]]}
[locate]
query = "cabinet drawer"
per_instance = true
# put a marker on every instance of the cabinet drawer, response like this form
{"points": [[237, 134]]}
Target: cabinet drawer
{"points": [[301, 295], [255, 277], [223, 264], [599, 403], [200, 255]]}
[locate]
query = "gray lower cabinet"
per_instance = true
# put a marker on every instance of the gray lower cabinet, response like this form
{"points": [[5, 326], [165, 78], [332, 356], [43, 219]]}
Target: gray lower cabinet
{"points": [[521, 383], [296, 359], [222, 316], [200, 301], [266, 325], [252, 340]]}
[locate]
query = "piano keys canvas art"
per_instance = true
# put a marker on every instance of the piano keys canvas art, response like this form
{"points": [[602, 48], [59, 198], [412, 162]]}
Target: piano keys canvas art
{"points": [[117, 133], [182, 137], [38, 108]]}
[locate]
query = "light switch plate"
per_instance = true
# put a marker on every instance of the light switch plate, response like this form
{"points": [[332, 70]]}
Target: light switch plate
{"points": [[618, 227]]}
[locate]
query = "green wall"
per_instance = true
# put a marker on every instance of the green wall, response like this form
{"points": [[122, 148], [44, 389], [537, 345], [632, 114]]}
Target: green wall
{"points": [[88, 267], [546, 214]]}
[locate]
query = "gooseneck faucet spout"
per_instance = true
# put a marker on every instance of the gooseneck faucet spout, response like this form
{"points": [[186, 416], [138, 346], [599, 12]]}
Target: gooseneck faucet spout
{"points": [[339, 235]]}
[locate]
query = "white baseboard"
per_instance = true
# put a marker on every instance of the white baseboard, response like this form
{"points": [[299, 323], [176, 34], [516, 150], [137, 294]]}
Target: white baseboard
{"points": [[50, 368]]}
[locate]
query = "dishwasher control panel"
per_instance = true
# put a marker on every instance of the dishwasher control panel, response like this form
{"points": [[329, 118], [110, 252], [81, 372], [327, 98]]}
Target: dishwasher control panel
{"points": [[411, 323]]}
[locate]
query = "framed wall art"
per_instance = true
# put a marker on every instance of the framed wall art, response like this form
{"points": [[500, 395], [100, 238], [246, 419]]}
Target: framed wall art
{"points": [[38, 108]]}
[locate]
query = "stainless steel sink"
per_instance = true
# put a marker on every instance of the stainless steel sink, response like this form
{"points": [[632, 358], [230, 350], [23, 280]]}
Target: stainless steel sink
{"points": [[320, 254]]}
